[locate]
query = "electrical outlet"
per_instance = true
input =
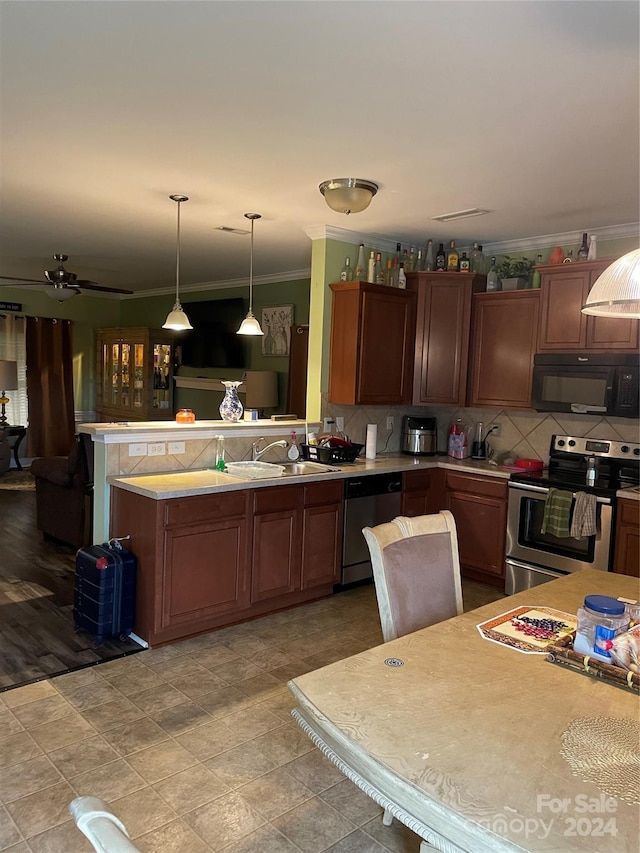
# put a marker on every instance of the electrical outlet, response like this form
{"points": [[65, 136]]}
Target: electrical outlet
{"points": [[327, 423], [496, 430], [137, 450], [158, 448], [176, 447], [340, 424], [389, 423]]}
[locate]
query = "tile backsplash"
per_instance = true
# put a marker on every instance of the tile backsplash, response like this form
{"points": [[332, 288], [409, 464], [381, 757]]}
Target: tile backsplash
{"points": [[524, 434]]}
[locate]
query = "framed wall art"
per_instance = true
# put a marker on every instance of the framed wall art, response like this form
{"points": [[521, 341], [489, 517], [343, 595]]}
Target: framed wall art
{"points": [[276, 324]]}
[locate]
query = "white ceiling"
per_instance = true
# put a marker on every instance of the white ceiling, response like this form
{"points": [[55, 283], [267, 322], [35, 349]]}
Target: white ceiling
{"points": [[528, 109]]}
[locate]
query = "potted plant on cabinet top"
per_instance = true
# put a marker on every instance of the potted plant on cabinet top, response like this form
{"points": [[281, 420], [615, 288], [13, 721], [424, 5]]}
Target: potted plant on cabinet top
{"points": [[515, 273]]}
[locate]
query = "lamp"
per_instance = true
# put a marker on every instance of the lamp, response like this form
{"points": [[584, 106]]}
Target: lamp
{"points": [[616, 292], [177, 319], [348, 195], [8, 379], [250, 326], [261, 387]]}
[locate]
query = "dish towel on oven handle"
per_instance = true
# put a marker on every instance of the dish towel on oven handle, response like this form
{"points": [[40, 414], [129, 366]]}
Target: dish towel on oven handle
{"points": [[584, 516], [557, 513]]}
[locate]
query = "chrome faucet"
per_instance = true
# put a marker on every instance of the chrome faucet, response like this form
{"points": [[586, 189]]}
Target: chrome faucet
{"points": [[256, 453]]}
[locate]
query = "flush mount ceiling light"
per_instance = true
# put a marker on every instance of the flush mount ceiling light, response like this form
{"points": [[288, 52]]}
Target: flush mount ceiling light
{"points": [[460, 214], [348, 195], [250, 325], [616, 293], [177, 319]]}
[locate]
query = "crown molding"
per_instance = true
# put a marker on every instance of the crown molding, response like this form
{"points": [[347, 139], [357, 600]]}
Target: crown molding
{"points": [[272, 278], [545, 241], [331, 232]]}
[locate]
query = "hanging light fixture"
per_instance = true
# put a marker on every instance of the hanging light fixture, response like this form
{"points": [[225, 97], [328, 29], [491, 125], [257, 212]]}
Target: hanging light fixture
{"points": [[616, 292], [250, 325], [348, 195], [177, 319]]}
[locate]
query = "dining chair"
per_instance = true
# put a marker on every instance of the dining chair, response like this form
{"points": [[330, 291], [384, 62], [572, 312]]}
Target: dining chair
{"points": [[416, 571]]}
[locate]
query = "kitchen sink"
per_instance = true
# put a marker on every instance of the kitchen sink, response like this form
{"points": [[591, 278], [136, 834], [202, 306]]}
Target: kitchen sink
{"points": [[296, 469]]}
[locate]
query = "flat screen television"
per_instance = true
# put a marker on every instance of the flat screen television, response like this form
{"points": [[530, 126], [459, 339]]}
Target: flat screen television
{"points": [[213, 341]]}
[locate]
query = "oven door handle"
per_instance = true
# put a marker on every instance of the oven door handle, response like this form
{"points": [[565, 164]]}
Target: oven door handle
{"points": [[544, 490]]}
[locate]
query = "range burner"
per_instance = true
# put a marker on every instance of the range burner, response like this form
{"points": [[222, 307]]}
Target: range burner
{"points": [[617, 465]]}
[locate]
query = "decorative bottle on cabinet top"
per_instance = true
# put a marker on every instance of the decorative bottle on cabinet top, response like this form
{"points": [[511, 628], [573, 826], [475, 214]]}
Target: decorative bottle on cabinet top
{"points": [[429, 264], [493, 282], [441, 259], [583, 251], [453, 259], [592, 248], [346, 273], [360, 272]]}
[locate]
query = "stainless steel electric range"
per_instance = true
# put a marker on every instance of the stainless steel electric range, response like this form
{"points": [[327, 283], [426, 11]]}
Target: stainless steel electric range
{"points": [[533, 557]]}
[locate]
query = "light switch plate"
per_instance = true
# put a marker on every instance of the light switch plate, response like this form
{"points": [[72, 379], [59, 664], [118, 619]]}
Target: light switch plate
{"points": [[137, 450], [158, 448], [176, 447], [340, 424]]}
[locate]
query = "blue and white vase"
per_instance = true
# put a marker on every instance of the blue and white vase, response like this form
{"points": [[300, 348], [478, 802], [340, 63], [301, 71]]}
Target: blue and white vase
{"points": [[231, 408]]}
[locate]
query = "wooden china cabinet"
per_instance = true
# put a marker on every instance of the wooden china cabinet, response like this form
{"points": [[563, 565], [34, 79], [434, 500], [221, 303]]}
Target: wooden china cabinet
{"points": [[134, 370]]}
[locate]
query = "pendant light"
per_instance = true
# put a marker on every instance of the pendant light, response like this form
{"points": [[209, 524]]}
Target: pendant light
{"points": [[616, 293], [250, 325], [176, 318]]}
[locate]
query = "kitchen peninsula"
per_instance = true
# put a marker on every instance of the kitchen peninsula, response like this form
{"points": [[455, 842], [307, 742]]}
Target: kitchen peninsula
{"points": [[462, 739]]}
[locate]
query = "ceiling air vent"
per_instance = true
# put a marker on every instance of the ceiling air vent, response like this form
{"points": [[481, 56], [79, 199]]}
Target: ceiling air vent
{"points": [[461, 214], [229, 230]]}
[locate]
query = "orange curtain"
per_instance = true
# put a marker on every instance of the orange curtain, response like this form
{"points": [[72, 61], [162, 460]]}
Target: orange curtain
{"points": [[50, 386]]}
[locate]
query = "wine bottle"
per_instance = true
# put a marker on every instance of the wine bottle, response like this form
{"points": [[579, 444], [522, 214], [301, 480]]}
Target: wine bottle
{"points": [[396, 264], [428, 264], [476, 260], [583, 251], [402, 279], [441, 259], [465, 263], [388, 278], [360, 270], [493, 282], [411, 260], [371, 267], [378, 271], [535, 278], [453, 259], [419, 264], [592, 248], [346, 273]]}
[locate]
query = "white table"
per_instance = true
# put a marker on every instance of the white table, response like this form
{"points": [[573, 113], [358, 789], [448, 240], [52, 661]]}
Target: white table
{"points": [[462, 742]]}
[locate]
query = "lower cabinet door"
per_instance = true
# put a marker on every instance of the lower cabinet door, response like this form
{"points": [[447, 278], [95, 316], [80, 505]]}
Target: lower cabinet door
{"points": [[205, 571], [275, 567], [321, 544], [481, 525]]}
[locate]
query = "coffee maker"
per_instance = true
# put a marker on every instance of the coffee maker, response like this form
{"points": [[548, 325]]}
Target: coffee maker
{"points": [[480, 449]]}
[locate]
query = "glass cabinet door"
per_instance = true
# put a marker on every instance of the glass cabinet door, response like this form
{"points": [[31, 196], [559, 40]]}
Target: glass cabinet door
{"points": [[138, 376], [161, 376]]}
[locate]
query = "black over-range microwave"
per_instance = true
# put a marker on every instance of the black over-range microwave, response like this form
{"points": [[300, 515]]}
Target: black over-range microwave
{"points": [[587, 383]]}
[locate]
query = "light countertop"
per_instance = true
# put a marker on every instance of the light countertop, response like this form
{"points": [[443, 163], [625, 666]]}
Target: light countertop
{"points": [[178, 484]]}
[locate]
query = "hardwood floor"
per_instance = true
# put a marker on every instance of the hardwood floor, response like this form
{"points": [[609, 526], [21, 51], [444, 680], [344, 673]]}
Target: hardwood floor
{"points": [[37, 638]]}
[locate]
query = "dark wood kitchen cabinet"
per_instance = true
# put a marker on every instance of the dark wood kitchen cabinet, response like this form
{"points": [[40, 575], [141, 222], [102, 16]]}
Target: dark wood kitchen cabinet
{"points": [[277, 542], [479, 506], [443, 318], [563, 326], [626, 559], [372, 338], [322, 533], [504, 340], [193, 567], [423, 491], [211, 560]]}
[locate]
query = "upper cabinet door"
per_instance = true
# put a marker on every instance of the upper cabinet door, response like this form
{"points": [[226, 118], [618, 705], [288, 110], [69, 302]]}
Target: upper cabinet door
{"points": [[372, 334], [564, 327], [442, 336]]}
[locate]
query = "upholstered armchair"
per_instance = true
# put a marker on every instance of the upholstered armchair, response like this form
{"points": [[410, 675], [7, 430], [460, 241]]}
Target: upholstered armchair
{"points": [[64, 494]]}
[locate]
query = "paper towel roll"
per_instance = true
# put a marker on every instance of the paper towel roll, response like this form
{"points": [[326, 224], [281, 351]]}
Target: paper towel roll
{"points": [[372, 440]]}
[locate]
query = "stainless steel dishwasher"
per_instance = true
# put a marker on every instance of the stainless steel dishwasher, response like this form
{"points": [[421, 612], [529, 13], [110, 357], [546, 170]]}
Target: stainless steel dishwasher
{"points": [[368, 501]]}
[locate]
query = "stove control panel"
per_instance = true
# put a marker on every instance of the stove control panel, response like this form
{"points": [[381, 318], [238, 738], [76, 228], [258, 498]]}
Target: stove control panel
{"points": [[595, 447]]}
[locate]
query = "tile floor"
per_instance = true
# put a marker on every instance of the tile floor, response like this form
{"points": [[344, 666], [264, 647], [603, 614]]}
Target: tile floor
{"points": [[193, 745]]}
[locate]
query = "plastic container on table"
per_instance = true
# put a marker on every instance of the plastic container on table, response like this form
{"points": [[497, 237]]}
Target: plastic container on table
{"points": [[600, 619]]}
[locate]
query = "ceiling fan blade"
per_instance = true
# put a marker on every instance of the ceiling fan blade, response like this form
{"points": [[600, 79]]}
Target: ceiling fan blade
{"points": [[17, 280], [90, 285]]}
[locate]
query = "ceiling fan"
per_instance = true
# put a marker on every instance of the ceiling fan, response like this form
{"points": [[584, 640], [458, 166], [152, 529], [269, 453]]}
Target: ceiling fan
{"points": [[65, 284]]}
